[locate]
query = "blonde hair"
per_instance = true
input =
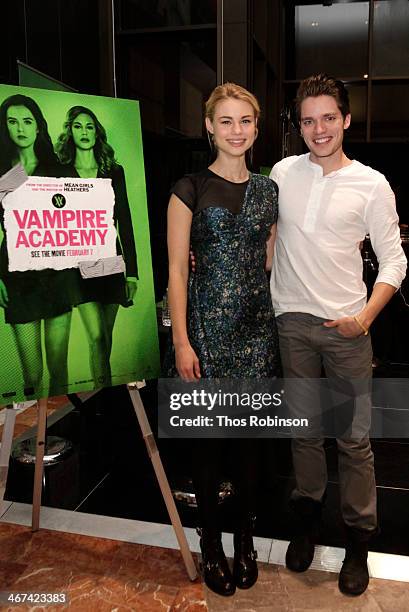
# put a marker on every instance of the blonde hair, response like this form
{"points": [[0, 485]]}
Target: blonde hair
{"points": [[230, 90]]}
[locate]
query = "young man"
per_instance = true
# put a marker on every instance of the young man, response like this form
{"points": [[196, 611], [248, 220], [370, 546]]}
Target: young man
{"points": [[327, 204]]}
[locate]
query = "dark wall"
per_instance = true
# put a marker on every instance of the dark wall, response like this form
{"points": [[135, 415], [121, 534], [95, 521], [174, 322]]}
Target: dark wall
{"points": [[57, 37]]}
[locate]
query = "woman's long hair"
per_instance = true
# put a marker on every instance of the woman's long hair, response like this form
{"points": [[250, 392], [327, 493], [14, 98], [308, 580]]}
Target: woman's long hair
{"points": [[66, 150], [43, 147]]}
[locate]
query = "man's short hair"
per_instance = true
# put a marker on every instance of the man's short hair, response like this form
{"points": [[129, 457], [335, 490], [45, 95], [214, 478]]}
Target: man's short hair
{"points": [[322, 85]]}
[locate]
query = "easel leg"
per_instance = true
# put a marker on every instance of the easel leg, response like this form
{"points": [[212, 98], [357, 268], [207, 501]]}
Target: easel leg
{"points": [[6, 442], [39, 464], [162, 479]]}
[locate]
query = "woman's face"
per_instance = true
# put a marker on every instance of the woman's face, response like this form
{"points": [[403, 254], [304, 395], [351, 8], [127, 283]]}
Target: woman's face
{"points": [[84, 132], [233, 126], [22, 126]]}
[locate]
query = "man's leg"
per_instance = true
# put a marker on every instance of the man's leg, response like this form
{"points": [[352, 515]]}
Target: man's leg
{"points": [[301, 359], [350, 360], [357, 483], [348, 366]]}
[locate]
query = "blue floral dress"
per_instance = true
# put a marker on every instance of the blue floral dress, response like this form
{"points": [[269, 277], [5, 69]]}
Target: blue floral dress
{"points": [[230, 316]]}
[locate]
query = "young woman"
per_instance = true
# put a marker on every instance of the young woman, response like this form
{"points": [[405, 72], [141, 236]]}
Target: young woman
{"points": [[84, 150], [32, 296], [222, 318]]}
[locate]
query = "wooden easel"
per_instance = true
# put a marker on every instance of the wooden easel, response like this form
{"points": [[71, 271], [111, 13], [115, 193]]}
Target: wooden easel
{"points": [[152, 450]]}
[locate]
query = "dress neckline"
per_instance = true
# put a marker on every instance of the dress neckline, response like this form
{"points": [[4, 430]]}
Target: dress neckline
{"points": [[227, 180]]}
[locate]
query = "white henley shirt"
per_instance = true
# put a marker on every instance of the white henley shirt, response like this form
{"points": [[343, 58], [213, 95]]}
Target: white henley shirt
{"points": [[317, 264]]}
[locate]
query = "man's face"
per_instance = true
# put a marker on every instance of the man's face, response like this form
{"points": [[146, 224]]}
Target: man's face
{"points": [[322, 126]]}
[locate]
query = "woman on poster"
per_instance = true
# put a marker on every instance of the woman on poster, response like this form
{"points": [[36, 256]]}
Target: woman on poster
{"points": [[222, 317], [33, 296], [83, 149]]}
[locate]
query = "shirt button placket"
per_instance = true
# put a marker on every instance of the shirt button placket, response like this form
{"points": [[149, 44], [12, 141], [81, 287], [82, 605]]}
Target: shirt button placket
{"points": [[313, 204]]}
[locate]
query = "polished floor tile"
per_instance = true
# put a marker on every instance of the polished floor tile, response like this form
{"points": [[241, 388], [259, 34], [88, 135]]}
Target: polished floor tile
{"points": [[95, 573], [108, 575], [314, 590]]}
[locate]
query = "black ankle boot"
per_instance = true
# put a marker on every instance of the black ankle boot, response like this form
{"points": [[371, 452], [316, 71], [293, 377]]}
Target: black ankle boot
{"points": [[245, 571], [354, 576], [216, 572], [300, 551]]}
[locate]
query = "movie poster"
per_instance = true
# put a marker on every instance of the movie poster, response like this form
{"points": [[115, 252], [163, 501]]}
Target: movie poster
{"points": [[77, 309]]}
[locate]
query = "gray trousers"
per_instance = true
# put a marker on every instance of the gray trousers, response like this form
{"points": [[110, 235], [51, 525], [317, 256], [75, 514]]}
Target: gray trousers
{"points": [[305, 346]]}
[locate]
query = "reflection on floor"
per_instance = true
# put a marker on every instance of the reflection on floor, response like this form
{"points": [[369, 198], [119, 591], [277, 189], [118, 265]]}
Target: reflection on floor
{"points": [[109, 474], [27, 417]]}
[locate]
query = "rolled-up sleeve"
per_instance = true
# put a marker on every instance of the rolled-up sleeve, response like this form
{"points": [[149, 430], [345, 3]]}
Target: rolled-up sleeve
{"points": [[383, 226]]}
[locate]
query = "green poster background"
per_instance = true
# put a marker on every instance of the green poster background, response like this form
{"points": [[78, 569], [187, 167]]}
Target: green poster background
{"points": [[135, 353]]}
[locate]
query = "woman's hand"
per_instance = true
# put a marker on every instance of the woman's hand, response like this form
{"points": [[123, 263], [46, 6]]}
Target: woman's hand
{"points": [[4, 298], [131, 287], [187, 363]]}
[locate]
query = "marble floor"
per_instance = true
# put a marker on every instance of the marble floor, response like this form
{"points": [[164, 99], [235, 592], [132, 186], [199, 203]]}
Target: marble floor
{"points": [[109, 575]]}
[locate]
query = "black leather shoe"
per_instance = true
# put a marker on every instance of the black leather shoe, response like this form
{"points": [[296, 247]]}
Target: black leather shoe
{"points": [[354, 576], [216, 571], [300, 552], [245, 571]]}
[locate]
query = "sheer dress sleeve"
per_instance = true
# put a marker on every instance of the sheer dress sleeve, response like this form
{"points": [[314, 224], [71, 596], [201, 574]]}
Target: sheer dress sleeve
{"points": [[184, 189]]}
